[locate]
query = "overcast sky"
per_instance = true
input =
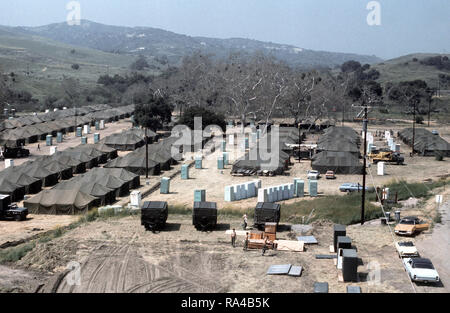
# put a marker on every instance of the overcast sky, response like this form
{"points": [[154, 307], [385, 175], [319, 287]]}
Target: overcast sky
{"points": [[407, 26]]}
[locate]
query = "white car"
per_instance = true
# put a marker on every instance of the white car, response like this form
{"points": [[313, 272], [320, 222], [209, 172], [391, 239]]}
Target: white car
{"points": [[421, 270], [406, 249], [313, 174]]}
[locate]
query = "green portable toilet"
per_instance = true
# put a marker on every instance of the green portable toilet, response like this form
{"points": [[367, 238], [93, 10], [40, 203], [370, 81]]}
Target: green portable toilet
{"points": [[165, 185], [220, 165], [84, 140], [246, 143], [184, 171], [199, 195], [225, 158], [59, 137], [198, 162], [96, 137], [97, 125], [313, 188], [224, 145], [49, 140], [79, 131], [299, 188]]}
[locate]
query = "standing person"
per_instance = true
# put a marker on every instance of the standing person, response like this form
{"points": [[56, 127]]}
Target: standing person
{"points": [[246, 242], [233, 238], [244, 225], [264, 248], [39, 147]]}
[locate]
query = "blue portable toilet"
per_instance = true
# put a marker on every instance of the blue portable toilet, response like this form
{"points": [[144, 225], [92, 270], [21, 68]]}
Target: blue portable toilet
{"points": [[246, 143], [96, 137], [97, 125], [84, 140], [59, 137], [220, 164], [299, 188], [224, 145], [79, 131], [198, 162], [199, 195], [225, 158], [313, 188], [165, 185], [184, 171], [49, 140], [229, 194]]}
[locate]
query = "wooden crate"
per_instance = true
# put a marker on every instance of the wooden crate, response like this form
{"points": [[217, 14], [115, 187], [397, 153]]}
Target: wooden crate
{"points": [[270, 228], [258, 244], [256, 235], [272, 237]]}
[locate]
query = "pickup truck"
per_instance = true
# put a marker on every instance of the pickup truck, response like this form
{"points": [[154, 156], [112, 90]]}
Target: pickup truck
{"points": [[351, 187], [410, 225]]}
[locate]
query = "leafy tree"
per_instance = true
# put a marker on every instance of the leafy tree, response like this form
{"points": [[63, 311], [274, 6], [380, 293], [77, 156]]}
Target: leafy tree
{"points": [[75, 66], [140, 64], [350, 66], [154, 113], [208, 117]]}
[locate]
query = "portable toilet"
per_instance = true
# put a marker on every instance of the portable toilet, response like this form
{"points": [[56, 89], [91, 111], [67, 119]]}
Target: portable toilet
{"points": [[313, 188], [97, 125], [96, 137], [198, 162], [231, 139], [165, 185], [135, 198], [53, 150], [9, 163], [199, 195], [49, 140], [225, 158], [246, 143], [229, 194], [220, 162], [299, 187], [79, 131], [102, 124], [59, 137], [224, 145], [263, 195], [380, 168], [85, 129], [184, 171], [84, 140]]}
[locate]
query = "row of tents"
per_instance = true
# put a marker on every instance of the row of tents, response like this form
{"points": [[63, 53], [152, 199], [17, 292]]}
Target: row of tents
{"points": [[46, 171], [270, 156], [338, 150], [425, 142], [129, 140], [98, 187], [30, 129], [160, 158]]}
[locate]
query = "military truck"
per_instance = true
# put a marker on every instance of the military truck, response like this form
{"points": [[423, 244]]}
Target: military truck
{"points": [[386, 156], [12, 153], [154, 215], [204, 215], [10, 210], [266, 212]]}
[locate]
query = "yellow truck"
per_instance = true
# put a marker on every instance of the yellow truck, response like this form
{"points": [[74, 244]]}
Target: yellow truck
{"points": [[386, 156]]}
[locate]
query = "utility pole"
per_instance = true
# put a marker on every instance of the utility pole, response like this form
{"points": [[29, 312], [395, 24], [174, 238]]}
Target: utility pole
{"points": [[363, 196], [414, 127], [146, 153]]}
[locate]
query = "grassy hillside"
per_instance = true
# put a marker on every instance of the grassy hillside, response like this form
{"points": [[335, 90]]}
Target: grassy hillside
{"points": [[39, 63], [404, 68]]}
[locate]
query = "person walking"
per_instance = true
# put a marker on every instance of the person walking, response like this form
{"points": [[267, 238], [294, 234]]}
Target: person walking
{"points": [[264, 248], [39, 147], [233, 238], [246, 242], [244, 225]]}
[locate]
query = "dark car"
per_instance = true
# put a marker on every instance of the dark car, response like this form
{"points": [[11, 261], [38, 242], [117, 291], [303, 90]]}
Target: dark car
{"points": [[11, 211], [204, 215], [266, 212], [154, 215]]}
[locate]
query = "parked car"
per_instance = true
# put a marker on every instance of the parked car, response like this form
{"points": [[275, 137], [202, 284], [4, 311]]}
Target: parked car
{"points": [[410, 225], [350, 187], [435, 132], [406, 249], [421, 270], [330, 175], [313, 174]]}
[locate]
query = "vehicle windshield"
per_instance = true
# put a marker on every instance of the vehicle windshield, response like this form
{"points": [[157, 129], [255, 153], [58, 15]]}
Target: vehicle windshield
{"points": [[406, 244], [407, 222], [423, 265]]}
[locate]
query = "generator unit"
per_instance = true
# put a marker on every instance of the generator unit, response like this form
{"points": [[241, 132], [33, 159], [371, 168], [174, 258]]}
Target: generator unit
{"points": [[154, 215], [204, 215], [266, 212]]}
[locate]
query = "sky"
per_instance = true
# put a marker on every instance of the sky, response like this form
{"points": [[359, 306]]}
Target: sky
{"points": [[406, 26]]}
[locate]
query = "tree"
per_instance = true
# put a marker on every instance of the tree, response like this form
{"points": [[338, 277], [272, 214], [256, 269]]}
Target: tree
{"points": [[75, 66], [140, 64], [153, 114], [208, 117], [72, 91]]}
